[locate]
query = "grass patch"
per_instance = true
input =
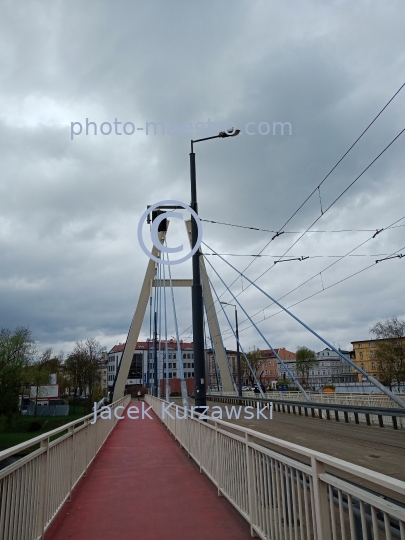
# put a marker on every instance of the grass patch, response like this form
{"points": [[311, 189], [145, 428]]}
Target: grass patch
{"points": [[24, 428]]}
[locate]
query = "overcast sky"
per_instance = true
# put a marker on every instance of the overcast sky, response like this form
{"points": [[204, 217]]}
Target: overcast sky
{"points": [[71, 266]]}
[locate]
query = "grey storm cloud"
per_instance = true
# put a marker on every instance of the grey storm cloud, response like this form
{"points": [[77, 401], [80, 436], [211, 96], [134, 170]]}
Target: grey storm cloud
{"points": [[70, 265]]}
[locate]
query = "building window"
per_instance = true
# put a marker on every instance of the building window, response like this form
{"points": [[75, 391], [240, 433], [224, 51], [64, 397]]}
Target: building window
{"points": [[361, 355], [360, 345], [372, 365]]}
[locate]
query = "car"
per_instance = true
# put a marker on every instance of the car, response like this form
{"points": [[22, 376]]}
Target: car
{"points": [[245, 388]]}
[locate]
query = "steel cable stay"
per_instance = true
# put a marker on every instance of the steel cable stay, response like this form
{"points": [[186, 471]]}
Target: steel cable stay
{"points": [[261, 334], [369, 377], [153, 298], [240, 345], [214, 356], [318, 292], [226, 356], [326, 268], [160, 361], [183, 383], [167, 387]]}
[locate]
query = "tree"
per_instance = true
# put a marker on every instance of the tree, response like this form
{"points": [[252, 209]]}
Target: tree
{"points": [[39, 370], [17, 350], [305, 361], [82, 367], [255, 360], [390, 353]]}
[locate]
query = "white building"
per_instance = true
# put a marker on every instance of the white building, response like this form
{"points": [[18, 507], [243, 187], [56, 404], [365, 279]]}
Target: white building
{"points": [[141, 371], [331, 369]]}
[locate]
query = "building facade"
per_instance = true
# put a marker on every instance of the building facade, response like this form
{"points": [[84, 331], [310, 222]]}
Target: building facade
{"points": [[365, 357], [331, 369], [268, 369], [212, 372], [141, 372]]}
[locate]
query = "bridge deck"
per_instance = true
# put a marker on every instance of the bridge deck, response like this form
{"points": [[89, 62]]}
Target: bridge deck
{"points": [[143, 485]]}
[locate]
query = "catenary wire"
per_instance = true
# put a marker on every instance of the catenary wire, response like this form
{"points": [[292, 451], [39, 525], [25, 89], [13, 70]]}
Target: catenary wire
{"points": [[314, 294], [329, 173], [327, 267]]}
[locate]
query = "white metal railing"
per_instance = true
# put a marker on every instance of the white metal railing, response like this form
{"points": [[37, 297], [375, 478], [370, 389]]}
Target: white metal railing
{"points": [[294, 405], [369, 400], [286, 491], [33, 489]]}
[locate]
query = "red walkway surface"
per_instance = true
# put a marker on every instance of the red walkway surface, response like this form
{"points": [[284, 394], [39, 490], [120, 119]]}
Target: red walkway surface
{"points": [[143, 485]]}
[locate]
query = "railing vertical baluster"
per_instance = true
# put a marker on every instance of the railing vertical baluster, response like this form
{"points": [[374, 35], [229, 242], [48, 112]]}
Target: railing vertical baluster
{"points": [[43, 488], [251, 485], [321, 501]]}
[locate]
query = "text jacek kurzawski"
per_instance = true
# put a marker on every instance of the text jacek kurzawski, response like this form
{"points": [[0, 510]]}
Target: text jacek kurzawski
{"points": [[170, 410]]}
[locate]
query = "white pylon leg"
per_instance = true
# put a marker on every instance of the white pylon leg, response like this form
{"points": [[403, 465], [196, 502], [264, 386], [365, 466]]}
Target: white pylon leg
{"points": [[136, 325]]}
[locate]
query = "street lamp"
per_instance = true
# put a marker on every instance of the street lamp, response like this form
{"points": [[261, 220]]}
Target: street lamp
{"points": [[237, 349], [196, 289]]}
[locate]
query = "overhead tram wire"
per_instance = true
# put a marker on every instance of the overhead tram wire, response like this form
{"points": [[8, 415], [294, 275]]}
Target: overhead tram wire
{"points": [[320, 184], [308, 297], [290, 232], [348, 254], [369, 377], [301, 257], [324, 212], [327, 176]]}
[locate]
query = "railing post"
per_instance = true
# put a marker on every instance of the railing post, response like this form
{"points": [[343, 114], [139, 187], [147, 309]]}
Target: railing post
{"points": [[217, 460], [43, 489], [199, 445], [322, 515], [86, 423], [71, 432], [251, 485]]}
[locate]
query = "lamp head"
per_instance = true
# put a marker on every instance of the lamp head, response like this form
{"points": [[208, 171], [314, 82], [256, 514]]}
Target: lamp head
{"points": [[229, 133]]}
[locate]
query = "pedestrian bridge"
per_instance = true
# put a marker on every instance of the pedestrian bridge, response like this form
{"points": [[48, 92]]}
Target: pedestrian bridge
{"points": [[108, 478]]}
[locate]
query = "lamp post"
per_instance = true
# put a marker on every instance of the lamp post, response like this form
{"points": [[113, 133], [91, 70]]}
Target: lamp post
{"points": [[196, 289], [238, 364]]}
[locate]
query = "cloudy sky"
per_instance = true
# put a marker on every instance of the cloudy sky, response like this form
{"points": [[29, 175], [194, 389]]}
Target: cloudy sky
{"points": [[71, 266]]}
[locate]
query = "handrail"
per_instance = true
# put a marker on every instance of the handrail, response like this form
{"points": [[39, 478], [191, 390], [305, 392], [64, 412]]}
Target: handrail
{"points": [[395, 415], [34, 488], [283, 496]]}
